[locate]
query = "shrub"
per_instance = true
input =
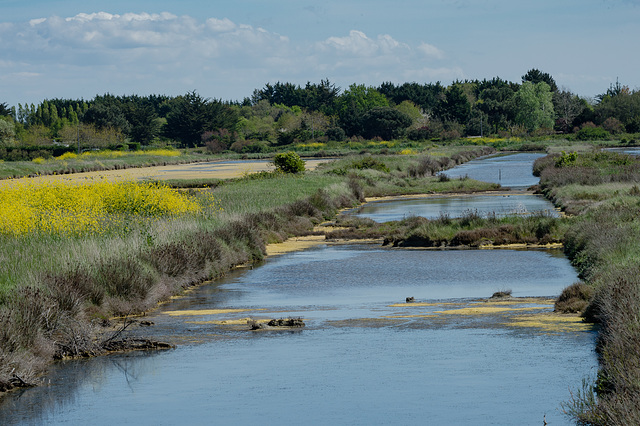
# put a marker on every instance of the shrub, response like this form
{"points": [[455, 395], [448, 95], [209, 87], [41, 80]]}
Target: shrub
{"points": [[592, 133], [613, 125], [566, 159], [427, 166], [370, 163], [336, 134], [574, 298], [288, 162], [419, 134]]}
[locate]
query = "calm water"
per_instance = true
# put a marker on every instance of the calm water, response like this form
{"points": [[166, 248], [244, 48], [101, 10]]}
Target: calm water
{"points": [[456, 206], [365, 356], [513, 170], [632, 150]]}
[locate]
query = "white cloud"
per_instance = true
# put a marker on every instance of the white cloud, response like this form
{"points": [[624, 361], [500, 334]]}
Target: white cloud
{"points": [[151, 53], [220, 25], [359, 44], [430, 50]]}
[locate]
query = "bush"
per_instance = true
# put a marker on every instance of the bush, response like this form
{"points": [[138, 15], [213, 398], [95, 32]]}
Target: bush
{"points": [[574, 298], [592, 133], [419, 134], [336, 134], [369, 162], [613, 125], [427, 166], [288, 162]]}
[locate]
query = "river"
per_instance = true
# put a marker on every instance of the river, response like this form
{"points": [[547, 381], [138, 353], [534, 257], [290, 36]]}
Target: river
{"points": [[364, 357]]}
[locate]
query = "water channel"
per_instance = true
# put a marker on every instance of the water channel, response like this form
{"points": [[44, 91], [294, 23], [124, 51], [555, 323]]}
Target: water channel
{"points": [[365, 356]]}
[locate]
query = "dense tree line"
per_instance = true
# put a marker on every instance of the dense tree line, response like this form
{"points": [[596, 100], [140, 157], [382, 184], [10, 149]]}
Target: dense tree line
{"points": [[284, 113]]}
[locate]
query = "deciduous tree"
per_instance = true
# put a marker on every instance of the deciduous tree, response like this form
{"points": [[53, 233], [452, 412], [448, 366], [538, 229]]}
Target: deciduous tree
{"points": [[533, 106]]}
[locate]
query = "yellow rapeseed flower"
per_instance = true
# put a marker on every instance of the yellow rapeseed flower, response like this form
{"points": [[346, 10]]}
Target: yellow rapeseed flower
{"points": [[87, 208]]}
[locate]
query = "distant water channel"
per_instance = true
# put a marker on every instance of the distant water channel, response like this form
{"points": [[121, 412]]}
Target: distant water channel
{"points": [[365, 356], [433, 207], [511, 171]]}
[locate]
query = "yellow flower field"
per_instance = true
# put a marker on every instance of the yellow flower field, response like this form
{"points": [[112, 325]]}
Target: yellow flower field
{"points": [[86, 208], [93, 155]]}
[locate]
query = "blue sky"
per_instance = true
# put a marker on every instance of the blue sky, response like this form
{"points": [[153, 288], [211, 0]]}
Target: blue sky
{"points": [[77, 49]]}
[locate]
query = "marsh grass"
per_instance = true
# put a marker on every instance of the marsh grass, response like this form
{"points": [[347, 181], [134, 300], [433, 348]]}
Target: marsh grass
{"points": [[472, 229], [602, 243], [53, 283]]}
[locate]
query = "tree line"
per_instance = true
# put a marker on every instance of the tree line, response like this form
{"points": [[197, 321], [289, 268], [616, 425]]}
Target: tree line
{"points": [[285, 113]]}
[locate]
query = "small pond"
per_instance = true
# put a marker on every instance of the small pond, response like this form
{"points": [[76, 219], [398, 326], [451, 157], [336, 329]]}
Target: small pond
{"points": [[631, 150]]}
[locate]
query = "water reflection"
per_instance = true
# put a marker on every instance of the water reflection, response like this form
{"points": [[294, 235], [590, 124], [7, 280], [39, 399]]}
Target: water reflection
{"points": [[456, 206], [631, 150], [365, 356], [513, 171]]}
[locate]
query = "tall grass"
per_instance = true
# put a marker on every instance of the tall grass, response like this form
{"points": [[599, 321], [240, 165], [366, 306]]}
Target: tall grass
{"points": [[602, 243]]}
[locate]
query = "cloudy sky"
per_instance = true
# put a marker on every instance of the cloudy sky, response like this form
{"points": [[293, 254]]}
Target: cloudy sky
{"points": [[225, 50]]}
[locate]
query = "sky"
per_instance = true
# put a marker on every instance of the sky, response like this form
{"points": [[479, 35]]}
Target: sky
{"points": [[77, 49]]}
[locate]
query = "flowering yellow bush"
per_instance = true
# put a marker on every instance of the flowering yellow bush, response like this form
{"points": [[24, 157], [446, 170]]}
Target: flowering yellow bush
{"points": [[67, 156], [89, 155], [86, 208], [407, 151], [312, 145]]}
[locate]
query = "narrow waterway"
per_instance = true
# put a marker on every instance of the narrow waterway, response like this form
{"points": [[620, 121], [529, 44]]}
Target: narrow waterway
{"points": [[511, 171], [365, 356], [433, 207]]}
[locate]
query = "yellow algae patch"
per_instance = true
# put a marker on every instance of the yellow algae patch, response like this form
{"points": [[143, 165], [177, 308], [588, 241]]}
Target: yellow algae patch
{"points": [[551, 322], [196, 312], [239, 321], [519, 301], [521, 246], [422, 304], [486, 310], [410, 316], [295, 244]]}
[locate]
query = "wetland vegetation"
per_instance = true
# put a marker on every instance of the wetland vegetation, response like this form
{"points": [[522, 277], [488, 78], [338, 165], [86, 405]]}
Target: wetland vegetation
{"points": [[74, 255]]}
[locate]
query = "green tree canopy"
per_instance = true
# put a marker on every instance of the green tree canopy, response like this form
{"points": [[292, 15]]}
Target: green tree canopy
{"points": [[385, 122], [354, 103], [454, 106], [191, 116], [536, 76], [4, 109], [533, 106]]}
